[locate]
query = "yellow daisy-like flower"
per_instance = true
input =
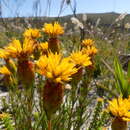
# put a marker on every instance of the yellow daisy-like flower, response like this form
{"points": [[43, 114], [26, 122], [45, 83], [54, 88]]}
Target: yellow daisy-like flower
{"points": [[9, 63], [7, 79], [25, 68], [87, 42], [90, 50], [53, 30], [56, 68], [120, 108], [80, 59], [4, 115], [17, 50], [31, 33], [43, 46], [3, 54], [4, 70]]}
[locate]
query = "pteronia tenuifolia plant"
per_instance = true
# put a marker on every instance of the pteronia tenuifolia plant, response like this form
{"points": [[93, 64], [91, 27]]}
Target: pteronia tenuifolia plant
{"points": [[119, 109], [32, 61]]}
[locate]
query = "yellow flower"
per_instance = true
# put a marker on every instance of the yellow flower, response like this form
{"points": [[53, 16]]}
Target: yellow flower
{"points": [[87, 42], [32, 33], [53, 30], [55, 67], [120, 108], [100, 99], [3, 54], [9, 63], [7, 79], [25, 68], [17, 50], [28, 47], [90, 50], [42, 65], [43, 46], [4, 115], [80, 59], [4, 70]]}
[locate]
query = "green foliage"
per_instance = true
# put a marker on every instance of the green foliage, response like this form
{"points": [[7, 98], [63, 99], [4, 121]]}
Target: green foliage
{"points": [[7, 123], [99, 117], [122, 80]]}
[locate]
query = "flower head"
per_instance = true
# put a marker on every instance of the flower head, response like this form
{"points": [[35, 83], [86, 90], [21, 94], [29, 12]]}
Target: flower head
{"points": [[4, 115], [120, 108], [80, 59], [43, 46], [32, 33], [56, 68], [53, 30], [90, 50], [87, 42], [4, 54], [17, 50], [4, 70], [7, 79]]}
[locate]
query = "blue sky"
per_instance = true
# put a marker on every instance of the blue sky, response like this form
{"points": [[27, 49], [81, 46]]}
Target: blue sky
{"points": [[12, 8]]}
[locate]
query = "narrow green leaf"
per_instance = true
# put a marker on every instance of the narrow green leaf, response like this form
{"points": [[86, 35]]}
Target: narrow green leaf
{"points": [[128, 70]]}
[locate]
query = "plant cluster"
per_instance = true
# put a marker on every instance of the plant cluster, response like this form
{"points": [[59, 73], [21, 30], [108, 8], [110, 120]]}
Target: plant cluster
{"points": [[37, 74], [50, 87]]}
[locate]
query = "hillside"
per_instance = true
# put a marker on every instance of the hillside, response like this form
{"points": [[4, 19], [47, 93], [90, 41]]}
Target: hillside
{"points": [[12, 27], [106, 19]]}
